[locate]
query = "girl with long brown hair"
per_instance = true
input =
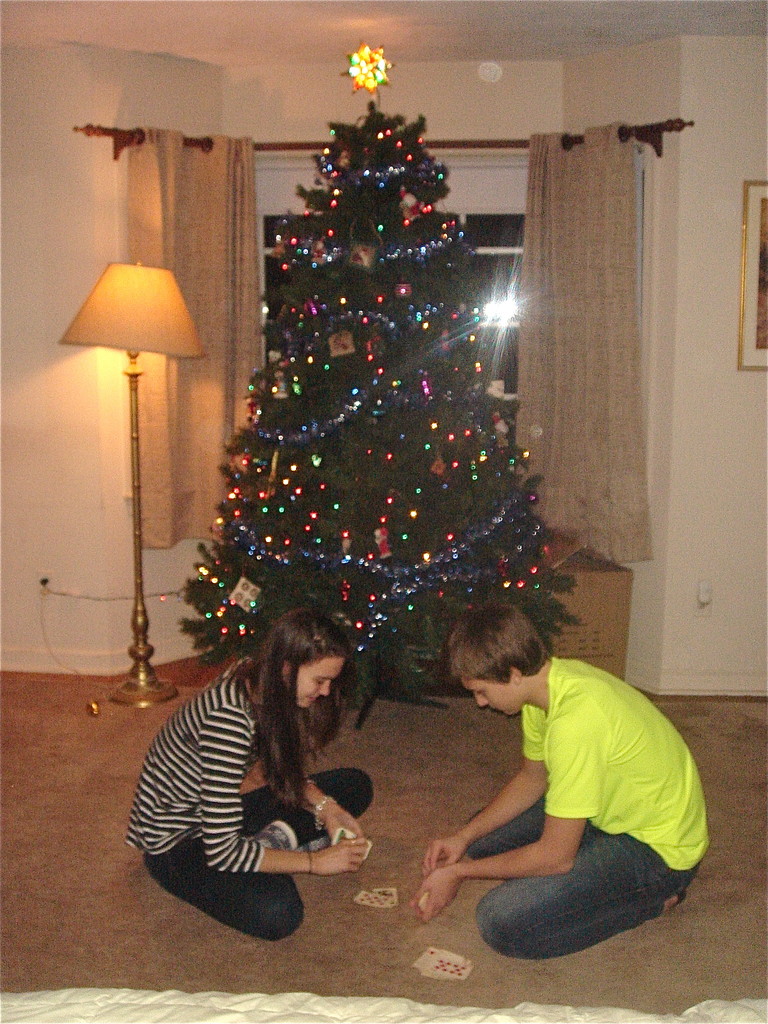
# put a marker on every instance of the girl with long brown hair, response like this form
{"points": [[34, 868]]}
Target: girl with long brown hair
{"points": [[225, 811]]}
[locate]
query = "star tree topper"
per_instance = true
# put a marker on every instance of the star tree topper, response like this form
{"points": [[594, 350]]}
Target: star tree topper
{"points": [[368, 68]]}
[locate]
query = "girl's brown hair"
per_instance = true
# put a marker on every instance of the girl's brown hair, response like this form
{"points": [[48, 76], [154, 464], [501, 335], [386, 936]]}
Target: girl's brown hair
{"points": [[489, 641], [285, 733]]}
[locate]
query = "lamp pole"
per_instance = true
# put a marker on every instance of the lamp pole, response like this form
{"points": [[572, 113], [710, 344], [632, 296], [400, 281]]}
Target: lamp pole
{"points": [[142, 687]]}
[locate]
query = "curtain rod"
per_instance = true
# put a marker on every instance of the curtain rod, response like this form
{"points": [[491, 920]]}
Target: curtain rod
{"points": [[653, 134]]}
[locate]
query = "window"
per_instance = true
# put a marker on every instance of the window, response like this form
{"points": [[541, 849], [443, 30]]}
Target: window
{"points": [[487, 190]]}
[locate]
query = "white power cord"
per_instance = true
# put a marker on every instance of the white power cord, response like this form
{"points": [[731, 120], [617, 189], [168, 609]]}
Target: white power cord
{"points": [[46, 591]]}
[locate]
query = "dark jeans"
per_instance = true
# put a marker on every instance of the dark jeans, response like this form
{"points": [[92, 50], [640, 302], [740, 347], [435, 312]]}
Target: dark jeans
{"points": [[263, 905], [616, 883]]}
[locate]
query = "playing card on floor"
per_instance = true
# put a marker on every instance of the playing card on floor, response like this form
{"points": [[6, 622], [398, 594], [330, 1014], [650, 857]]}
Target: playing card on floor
{"points": [[439, 963], [388, 894], [380, 898]]}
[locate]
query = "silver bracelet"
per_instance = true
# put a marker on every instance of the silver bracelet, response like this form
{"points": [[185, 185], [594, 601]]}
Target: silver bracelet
{"points": [[318, 809]]}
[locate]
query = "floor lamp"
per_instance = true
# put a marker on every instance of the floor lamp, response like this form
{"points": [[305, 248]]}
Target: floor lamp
{"points": [[138, 309]]}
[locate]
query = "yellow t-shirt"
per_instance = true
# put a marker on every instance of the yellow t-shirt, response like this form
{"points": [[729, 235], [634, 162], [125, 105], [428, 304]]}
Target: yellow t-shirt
{"points": [[614, 758]]}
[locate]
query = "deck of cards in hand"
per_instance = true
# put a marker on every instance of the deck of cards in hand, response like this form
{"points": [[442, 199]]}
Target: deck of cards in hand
{"points": [[344, 833]]}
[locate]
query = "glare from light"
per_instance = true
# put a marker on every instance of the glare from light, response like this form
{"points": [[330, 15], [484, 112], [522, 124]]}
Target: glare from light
{"points": [[501, 311]]}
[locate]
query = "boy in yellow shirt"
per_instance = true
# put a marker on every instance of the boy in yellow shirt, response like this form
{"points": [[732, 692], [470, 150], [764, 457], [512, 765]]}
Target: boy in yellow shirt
{"points": [[604, 825]]}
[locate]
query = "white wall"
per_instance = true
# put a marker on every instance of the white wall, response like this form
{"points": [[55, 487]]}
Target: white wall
{"points": [[707, 420], [272, 103], [65, 463], [65, 472]]}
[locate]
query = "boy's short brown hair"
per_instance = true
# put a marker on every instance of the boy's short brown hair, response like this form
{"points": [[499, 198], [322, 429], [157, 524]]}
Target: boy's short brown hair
{"points": [[489, 641]]}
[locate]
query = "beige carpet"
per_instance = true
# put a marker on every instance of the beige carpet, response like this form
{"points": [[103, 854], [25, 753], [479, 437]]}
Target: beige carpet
{"points": [[78, 909]]}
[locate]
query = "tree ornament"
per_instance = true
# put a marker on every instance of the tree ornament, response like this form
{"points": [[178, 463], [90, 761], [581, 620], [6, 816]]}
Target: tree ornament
{"points": [[381, 536], [410, 207], [342, 343], [245, 594], [438, 467], [363, 255], [254, 411], [501, 428]]}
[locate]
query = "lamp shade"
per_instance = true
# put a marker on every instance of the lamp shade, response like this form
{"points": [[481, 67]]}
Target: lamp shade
{"points": [[137, 309]]}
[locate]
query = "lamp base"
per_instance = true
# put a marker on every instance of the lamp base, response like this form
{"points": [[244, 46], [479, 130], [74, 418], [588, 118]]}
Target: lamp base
{"points": [[144, 691]]}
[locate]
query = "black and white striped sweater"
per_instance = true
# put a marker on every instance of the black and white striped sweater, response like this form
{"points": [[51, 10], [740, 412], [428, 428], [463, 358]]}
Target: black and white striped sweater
{"points": [[190, 781]]}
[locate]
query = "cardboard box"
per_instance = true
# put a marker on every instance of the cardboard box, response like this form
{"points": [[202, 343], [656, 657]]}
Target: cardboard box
{"points": [[601, 601]]}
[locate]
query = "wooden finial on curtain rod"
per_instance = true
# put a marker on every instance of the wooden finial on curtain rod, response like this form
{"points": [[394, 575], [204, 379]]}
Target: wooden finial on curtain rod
{"points": [[123, 137], [653, 134]]}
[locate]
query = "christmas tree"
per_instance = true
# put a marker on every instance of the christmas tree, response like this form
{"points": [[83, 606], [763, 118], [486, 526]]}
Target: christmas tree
{"points": [[377, 477]]}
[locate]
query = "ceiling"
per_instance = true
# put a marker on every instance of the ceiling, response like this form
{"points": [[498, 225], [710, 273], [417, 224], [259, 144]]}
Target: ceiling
{"points": [[238, 33]]}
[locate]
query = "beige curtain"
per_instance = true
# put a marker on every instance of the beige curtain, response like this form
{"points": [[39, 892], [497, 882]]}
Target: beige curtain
{"points": [[579, 361], [194, 213]]}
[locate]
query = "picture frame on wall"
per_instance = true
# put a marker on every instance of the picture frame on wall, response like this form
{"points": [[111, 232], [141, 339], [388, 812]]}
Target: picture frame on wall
{"points": [[753, 313]]}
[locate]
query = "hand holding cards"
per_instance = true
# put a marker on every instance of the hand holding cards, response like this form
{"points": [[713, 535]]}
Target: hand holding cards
{"points": [[421, 905], [346, 852], [344, 833]]}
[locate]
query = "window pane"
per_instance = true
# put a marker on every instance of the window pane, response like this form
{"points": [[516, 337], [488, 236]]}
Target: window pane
{"points": [[497, 230], [499, 275], [274, 279]]}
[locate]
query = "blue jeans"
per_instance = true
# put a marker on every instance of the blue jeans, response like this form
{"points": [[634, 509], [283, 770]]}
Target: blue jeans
{"points": [[263, 905], [616, 883]]}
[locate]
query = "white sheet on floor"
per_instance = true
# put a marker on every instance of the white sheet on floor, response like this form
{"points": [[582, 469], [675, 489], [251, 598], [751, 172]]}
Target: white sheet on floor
{"points": [[128, 1006]]}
